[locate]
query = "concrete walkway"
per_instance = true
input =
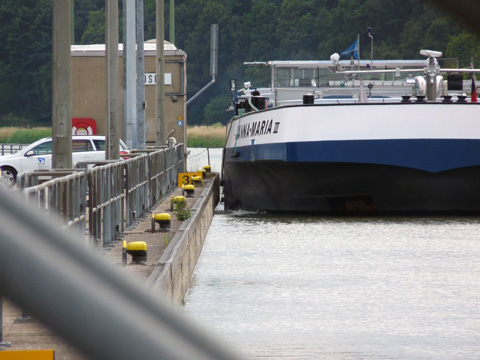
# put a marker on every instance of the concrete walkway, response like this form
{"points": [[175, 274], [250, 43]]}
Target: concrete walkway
{"points": [[28, 334]]}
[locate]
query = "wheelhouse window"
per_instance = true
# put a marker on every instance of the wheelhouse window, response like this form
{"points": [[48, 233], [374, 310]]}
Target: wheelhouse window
{"points": [[296, 77]]}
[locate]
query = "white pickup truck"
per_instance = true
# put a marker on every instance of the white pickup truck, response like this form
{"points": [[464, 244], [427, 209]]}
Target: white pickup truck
{"points": [[38, 156]]}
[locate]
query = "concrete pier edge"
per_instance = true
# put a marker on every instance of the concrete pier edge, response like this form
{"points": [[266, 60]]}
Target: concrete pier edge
{"points": [[169, 274], [175, 267]]}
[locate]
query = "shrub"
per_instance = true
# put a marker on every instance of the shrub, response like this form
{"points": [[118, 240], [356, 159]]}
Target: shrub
{"points": [[182, 212]]}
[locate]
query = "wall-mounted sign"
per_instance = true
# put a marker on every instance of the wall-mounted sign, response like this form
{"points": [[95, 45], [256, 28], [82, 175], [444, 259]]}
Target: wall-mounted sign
{"points": [[151, 79]]}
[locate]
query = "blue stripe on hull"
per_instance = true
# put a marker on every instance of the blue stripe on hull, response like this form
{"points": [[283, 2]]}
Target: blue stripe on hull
{"points": [[432, 155]]}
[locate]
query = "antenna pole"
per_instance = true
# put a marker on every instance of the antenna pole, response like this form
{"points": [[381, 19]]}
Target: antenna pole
{"points": [[371, 47]]}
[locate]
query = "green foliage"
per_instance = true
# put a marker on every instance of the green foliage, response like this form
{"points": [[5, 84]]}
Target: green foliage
{"points": [[206, 142], [464, 46], [95, 29], [215, 110], [182, 212], [25, 59], [28, 136]]}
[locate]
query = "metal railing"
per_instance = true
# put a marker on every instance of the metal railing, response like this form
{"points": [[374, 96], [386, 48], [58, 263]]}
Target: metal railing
{"points": [[111, 195], [64, 195], [136, 187], [106, 202], [6, 149], [47, 270]]}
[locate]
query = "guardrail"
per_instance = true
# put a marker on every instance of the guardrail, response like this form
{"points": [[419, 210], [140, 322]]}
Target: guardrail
{"points": [[106, 202], [46, 270], [108, 197], [65, 193], [6, 149], [137, 178]]}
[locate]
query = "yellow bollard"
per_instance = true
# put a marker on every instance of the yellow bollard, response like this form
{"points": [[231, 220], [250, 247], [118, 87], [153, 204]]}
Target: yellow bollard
{"points": [[138, 251], [177, 200], [197, 179], [163, 219], [189, 190]]}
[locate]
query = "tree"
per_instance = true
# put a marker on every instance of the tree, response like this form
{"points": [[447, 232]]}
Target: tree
{"points": [[94, 32], [249, 30], [466, 47], [216, 110], [27, 56]]}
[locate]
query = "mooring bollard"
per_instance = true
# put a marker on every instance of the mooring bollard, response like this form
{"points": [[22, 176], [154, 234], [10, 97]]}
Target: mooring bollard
{"points": [[138, 251], [197, 179], [189, 190], [163, 219]]}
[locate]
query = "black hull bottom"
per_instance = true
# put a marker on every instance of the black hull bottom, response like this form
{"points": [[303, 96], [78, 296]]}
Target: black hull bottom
{"points": [[349, 188]]}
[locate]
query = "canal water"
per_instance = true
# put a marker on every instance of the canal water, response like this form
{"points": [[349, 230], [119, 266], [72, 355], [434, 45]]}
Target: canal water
{"points": [[282, 287]]}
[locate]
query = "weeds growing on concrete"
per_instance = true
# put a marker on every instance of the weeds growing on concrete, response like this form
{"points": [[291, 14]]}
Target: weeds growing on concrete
{"points": [[182, 212]]}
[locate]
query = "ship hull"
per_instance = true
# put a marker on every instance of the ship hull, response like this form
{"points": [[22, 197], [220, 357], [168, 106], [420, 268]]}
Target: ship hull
{"points": [[350, 188], [333, 170]]}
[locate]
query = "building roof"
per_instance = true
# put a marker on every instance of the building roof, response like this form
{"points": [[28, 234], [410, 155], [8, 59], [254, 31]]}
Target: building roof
{"points": [[150, 48]]}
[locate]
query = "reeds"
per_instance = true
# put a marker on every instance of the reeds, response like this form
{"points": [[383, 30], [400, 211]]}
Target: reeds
{"points": [[197, 136], [206, 136], [21, 135]]}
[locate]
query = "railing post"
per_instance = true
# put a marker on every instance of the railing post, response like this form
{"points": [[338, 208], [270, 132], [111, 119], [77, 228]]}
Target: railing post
{"points": [[3, 344]]}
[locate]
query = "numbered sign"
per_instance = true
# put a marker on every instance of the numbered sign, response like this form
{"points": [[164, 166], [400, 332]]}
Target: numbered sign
{"points": [[186, 178]]}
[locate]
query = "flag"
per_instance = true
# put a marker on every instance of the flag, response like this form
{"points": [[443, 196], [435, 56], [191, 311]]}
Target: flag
{"points": [[474, 91], [354, 48]]}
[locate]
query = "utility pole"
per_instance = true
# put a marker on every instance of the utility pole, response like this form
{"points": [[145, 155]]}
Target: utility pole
{"points": [[129, 107], [160, 35], [172, 22], [61, 86], [142, 142], [111, 52], [72, 22]]}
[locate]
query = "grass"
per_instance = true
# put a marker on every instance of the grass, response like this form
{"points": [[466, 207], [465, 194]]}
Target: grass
{"points": [[206, 136], [198, 136], [21, 135]]}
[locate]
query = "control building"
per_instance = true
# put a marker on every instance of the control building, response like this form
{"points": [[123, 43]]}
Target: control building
{"points": [[89, 94]]}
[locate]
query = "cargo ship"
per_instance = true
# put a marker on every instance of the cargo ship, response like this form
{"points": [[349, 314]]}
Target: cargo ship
{"points": [[332, 137]]}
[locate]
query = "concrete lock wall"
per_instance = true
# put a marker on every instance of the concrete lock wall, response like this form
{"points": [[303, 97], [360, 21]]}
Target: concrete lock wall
{"points": [[175, 268], [89, 88]]}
